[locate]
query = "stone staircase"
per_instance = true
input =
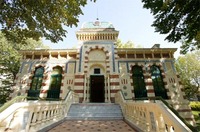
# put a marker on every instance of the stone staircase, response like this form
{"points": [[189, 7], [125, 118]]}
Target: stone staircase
{"points": [[95, 111], [105, 117]]}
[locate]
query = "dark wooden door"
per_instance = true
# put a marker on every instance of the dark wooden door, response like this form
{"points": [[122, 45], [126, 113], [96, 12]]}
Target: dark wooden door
{"points": [[97, 91]]}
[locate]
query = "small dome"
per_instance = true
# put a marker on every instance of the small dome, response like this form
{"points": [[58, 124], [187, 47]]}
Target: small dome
{"points": [[97, 24]]}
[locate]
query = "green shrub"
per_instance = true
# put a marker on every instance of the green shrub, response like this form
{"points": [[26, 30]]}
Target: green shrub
{"points": [[195, 106]]}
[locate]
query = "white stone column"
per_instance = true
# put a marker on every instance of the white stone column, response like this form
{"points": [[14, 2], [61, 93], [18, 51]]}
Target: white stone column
{"points": [[88, 88], [85, 88], [108, 88]]}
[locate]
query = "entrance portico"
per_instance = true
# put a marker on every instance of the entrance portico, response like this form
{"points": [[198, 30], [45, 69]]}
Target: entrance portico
{"points": [[96, 88]]}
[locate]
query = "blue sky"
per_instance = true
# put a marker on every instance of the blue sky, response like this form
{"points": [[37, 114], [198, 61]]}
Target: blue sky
{"points": [[128, 17]]}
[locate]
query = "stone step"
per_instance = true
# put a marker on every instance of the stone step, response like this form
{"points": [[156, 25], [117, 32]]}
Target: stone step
{"points": [[93, 126], [94, 111]]}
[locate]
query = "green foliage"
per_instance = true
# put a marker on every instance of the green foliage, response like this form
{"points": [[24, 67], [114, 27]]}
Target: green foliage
{"points": [[195, 106], [10, 62], [197, 119], [38, 18], [4, 94], [179, 19], [188, 67], [128, 44], [9, 57]]}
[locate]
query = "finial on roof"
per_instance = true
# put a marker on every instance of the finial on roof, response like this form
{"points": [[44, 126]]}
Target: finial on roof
{"points": [[97, 23], [97, 14]]}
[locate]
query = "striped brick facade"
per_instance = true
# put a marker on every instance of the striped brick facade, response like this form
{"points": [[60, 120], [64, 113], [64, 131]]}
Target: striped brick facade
{"points": [[114, 85], [96, 47], [148, 79], [78, 67], [46, 79], [79, 86]]}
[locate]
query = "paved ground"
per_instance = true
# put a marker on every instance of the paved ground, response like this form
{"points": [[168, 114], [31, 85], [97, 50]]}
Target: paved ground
{"points": [[93, 126]]}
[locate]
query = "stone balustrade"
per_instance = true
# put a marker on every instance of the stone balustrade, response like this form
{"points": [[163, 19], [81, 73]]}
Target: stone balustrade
{"points": [[35, 115], [148, 115]]}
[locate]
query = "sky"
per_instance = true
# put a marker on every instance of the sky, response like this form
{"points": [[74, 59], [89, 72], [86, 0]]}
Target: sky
{"points": [[127, 16]]}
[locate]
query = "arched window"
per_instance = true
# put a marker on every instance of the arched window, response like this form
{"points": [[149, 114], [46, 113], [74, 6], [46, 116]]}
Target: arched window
{"points": [[37, 79], [55, 83], [36, 83], [158, 84], [138, 82]]}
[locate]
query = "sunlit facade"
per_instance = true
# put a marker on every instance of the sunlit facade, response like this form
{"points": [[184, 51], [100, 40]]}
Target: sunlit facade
{"points": [[97, 70]]}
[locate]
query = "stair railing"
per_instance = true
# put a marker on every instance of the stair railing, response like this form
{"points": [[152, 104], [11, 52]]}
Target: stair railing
{"points": [[143, 114], [35, 115], [71, 97], [14, 100], [165, 103]]}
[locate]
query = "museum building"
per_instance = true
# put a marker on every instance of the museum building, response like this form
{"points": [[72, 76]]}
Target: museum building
{"points": [[97, 70]]}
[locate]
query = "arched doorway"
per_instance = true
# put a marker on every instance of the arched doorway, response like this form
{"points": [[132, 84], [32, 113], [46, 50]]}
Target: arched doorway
{"points": [[36, 83], [55, 83], [138, 82], [97, 88], [158, 83]]}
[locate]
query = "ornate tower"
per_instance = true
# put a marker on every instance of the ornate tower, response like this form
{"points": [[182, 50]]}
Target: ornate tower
{"points": [[96, 62]]}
